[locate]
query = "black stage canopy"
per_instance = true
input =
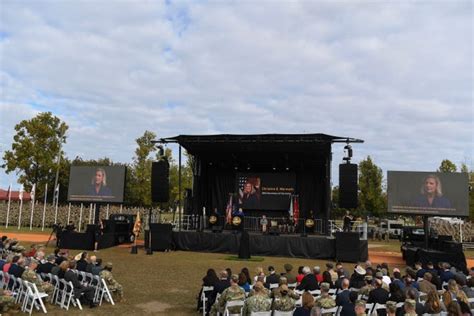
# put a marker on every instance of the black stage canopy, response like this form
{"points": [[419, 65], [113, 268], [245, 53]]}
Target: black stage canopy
{"points": [[218, 159]]}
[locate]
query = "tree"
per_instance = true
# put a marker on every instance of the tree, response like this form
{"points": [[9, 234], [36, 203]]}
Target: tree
{"points": [[371, 198], [447, 166], [464, 168], [140, 180], [35, 149]]}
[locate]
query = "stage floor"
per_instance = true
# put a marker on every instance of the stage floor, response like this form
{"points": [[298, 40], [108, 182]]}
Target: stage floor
{"points": [[311, 247]]}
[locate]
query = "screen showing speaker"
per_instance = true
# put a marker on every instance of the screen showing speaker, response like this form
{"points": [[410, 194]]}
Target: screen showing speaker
{"points": [[265, 191], [428, 193], [96, 184]]}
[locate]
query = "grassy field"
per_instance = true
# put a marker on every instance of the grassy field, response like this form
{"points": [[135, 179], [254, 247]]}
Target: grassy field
{"points": [[167, 283]]}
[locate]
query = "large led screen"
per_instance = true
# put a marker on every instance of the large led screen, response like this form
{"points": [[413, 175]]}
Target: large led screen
{"points": [[428, 193], [96, 184]]}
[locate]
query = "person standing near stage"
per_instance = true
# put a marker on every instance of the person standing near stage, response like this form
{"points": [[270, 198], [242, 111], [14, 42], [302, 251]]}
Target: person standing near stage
{"points": [[264, 223], [347, 222]]}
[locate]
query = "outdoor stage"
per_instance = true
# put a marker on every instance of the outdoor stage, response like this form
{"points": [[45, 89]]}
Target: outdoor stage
{"points": [[311, 247]]}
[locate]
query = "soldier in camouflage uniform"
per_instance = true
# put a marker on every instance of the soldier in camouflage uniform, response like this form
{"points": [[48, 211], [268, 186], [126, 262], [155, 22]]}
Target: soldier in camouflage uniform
{"points": [[365, 290], [285, 303], [112, 284], [265, 290], [276, 292], [232, 293], [257, 303], [325, 300], [30, 275], [7, 301]]}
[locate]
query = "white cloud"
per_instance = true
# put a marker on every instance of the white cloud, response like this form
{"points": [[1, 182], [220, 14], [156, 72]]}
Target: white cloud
{"points": [[398, 75]]}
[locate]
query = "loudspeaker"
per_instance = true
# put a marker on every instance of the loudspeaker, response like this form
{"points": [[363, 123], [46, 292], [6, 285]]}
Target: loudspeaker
{"points": [[347, 247], [217, 229], [161, 237], [160, 187], [348, 185]]}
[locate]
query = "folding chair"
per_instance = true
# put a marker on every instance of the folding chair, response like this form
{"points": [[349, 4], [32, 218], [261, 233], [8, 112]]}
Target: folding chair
{"points": [[369, 307], [236, 303], [21, 290], [379, 306], [11, 282], [269, 313], [315, 292], [34, 298], [54, 279], [104, 291], [281, 313], [204, 298], [332, 311], [273, 286], [292, 285], [66, 296]]}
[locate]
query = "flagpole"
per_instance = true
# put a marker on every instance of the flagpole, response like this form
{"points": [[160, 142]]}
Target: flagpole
{"points": [[32, 196], [56, 194], [21, 206], [90, 213], [108, 205], [44, 205], [80, 217], [68, 213], [8, 208]]}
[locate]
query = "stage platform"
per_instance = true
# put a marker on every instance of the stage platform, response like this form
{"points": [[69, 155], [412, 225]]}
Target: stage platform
{"points": [[311, 247]]}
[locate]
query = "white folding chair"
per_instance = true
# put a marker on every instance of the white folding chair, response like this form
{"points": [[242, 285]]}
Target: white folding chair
{"points": [[369, 307], [273, 286], [315, 292], [34, 298], [236, 303], [104, 292], [292, 285], [379, 306], [21, 291], [269, 313], [66, 295], [2, 280], [204, 298], [281, 313], [332, 311]]}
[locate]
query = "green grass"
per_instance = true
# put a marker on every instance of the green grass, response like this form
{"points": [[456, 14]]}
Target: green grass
{"points": [[167, 283], [252, 259]]}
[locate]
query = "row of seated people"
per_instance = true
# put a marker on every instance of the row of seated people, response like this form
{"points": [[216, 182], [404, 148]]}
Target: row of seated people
{"points": [[374, 284], [29, 265]]}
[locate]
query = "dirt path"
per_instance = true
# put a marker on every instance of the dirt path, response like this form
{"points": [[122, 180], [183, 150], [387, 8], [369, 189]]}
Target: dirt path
{"points": [[392, 258]]}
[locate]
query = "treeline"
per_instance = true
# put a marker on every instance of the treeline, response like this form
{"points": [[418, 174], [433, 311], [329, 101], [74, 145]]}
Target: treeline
{"points": [[38, 143]]}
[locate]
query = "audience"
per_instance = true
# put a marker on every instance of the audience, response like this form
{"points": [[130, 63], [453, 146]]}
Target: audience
{"points": [[307, 305], [290, 277], [231, 293], [272, 277], [432, 303], [308, 283], [258, 302], [324, 300]]}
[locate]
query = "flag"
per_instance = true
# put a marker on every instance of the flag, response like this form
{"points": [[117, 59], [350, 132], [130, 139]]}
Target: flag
{"points": [[290, 210], [296, 211], [56, 193], [137, 226], [20, 196], [32, 193], [228, 211], [9, 192]]}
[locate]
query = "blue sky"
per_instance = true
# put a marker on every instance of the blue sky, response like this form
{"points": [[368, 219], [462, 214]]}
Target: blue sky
{"points": [[397, 74]]}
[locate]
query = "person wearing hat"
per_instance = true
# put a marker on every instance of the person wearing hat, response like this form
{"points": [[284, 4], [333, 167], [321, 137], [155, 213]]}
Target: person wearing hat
{"points": [[410, 307], [357, 278], [360, 308], [379, 276], [233, 293], [365, 290], [259, 302], [285, 303], [290, 277], [31, 276], [109, 279], [378, 295], [325, 300]]}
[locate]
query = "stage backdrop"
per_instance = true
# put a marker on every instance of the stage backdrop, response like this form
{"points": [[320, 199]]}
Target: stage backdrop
{"points": [[96, 184], [428, 193]]}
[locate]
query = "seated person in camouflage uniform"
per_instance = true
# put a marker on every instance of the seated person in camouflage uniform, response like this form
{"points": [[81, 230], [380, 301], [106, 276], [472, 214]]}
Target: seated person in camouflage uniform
{"points": [[259, 302], [7, 301], [232, 293], [112, 284], [276, 292], [265, 290], [324, 300], [31, 276], [365, 290], [284, 303]]}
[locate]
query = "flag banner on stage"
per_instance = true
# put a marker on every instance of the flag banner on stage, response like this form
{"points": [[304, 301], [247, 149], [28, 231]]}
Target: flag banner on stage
{"points": [[265, 191], [296, 209], [428, 193], [137, 226], [228, 210]]}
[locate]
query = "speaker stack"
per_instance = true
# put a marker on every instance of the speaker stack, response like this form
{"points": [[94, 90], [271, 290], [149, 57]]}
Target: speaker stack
{"points": [[160, 187], [347, 247], [348, 185]]}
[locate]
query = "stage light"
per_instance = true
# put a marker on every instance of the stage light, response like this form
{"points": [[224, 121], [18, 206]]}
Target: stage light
{"points": [[248, 166], [348, 153]]}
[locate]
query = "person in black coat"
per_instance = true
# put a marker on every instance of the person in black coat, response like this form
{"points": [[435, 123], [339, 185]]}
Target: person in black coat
{"points": [[343, 296], [47, 266], [87, 292], [378, 295], [309, 282], [210, 279], [16, 269], [348, 308], [219, 287], [272, 278], [82, 262]]}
